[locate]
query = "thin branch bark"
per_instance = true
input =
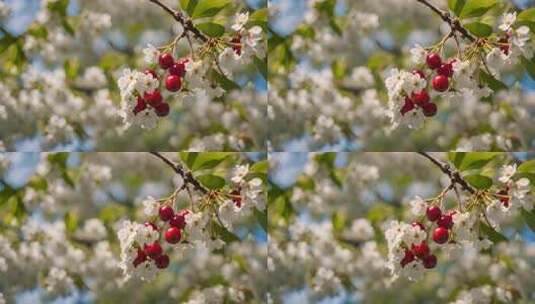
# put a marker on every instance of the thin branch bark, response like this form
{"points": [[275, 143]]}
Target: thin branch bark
{"points": [[454, 23], [454, 175], [180, 170], [182, 19]]}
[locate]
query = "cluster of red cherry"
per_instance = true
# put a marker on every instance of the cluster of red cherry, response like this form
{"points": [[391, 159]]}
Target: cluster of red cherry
{"points": [[173, 234], [440, 83], [173, 83], [440, 235]]}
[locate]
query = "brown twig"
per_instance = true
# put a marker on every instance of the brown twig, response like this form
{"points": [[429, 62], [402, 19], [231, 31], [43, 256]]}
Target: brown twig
{"points": [[454, 23], [182, 19], [454, 175], [180, 170]]}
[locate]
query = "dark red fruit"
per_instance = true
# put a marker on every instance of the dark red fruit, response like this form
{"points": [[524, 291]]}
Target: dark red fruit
{"points": [[162, 261], [178, 69], [236, 45], [173, 83], [429, 109], [140, 106], [440, 235], [178, 221], [433, 213], [419, 73], [409, 257], [418, 224], [166, 60], [420, 250], [173, 235], [152, 73], [236, 198], [166, 213], [446, 69], [420, 98], [433, 61], [445, 221], [162, 109], [504, 199], [153, 98], [407, 107], [152, 225], [504, 45], [440, 83], [140, 258], [430, 261], [153, 250]]}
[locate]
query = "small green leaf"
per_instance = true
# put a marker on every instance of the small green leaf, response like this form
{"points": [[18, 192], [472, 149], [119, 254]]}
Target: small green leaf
{"points": [[209, 8], [259, 167], [223, 234], [479, 181], [261, 66], [224, 82], [529, 65], [38, 183], [527, 17], [211, 29], [456, 6], [71, 67], [476, 8], [259, 17], [527, 167], [479, 29], [492, 234], [456, 158], [209, 160], [211, 181], [261, 217], [492, 82], [476, 160], [188, 5], [71, 221], [529, 218], [338, 220]]}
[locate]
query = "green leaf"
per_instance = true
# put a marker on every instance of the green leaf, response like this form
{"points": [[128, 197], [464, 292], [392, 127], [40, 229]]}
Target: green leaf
{"points": [[261, 217], [211, 181], [259, 167], [339, 69], [476, 160], [529, 218], [189, 158], [492, 82], [223, 234], [38, 31], [259, 17], [529, 65], [527, 17], [261, 66], [456, 6], [224, 82], [492, 234], [211, 29], [479, 181], [479, 29], [338, 220], [71, 67], [209, 8], [476, 8], [456, 158], [188, 5], [209, 160], [38, 183], [527, 167], [71, 221]]}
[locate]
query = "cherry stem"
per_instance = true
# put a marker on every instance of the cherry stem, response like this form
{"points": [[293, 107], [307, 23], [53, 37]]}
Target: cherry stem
{"points": [[182, 19], [180, 170], [454, 23], [454, 175]]}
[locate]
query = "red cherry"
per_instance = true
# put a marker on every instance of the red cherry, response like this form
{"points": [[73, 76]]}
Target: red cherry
{"points": [[420, 98], [418, 224], [173, 83], [446, 69], [166, 60], [172, 235], [433, 213], [430, 261], [407, 107], [409, 257], [445, 221], [429, 109], [140, 258], [153, 250], [420, 250], [152, 225], [140, 106], [162, 261], [153, 98], [162, 109], [178, 221], [433, 61], [178, 69], [440, 235], [419, 73], [440, 83], [152, 73], [166, 213]]}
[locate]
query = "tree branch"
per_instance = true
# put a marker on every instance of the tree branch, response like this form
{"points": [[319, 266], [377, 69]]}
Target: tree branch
{"points": [[454, 175], [185, 21], [180, 170], [454, 23]]}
